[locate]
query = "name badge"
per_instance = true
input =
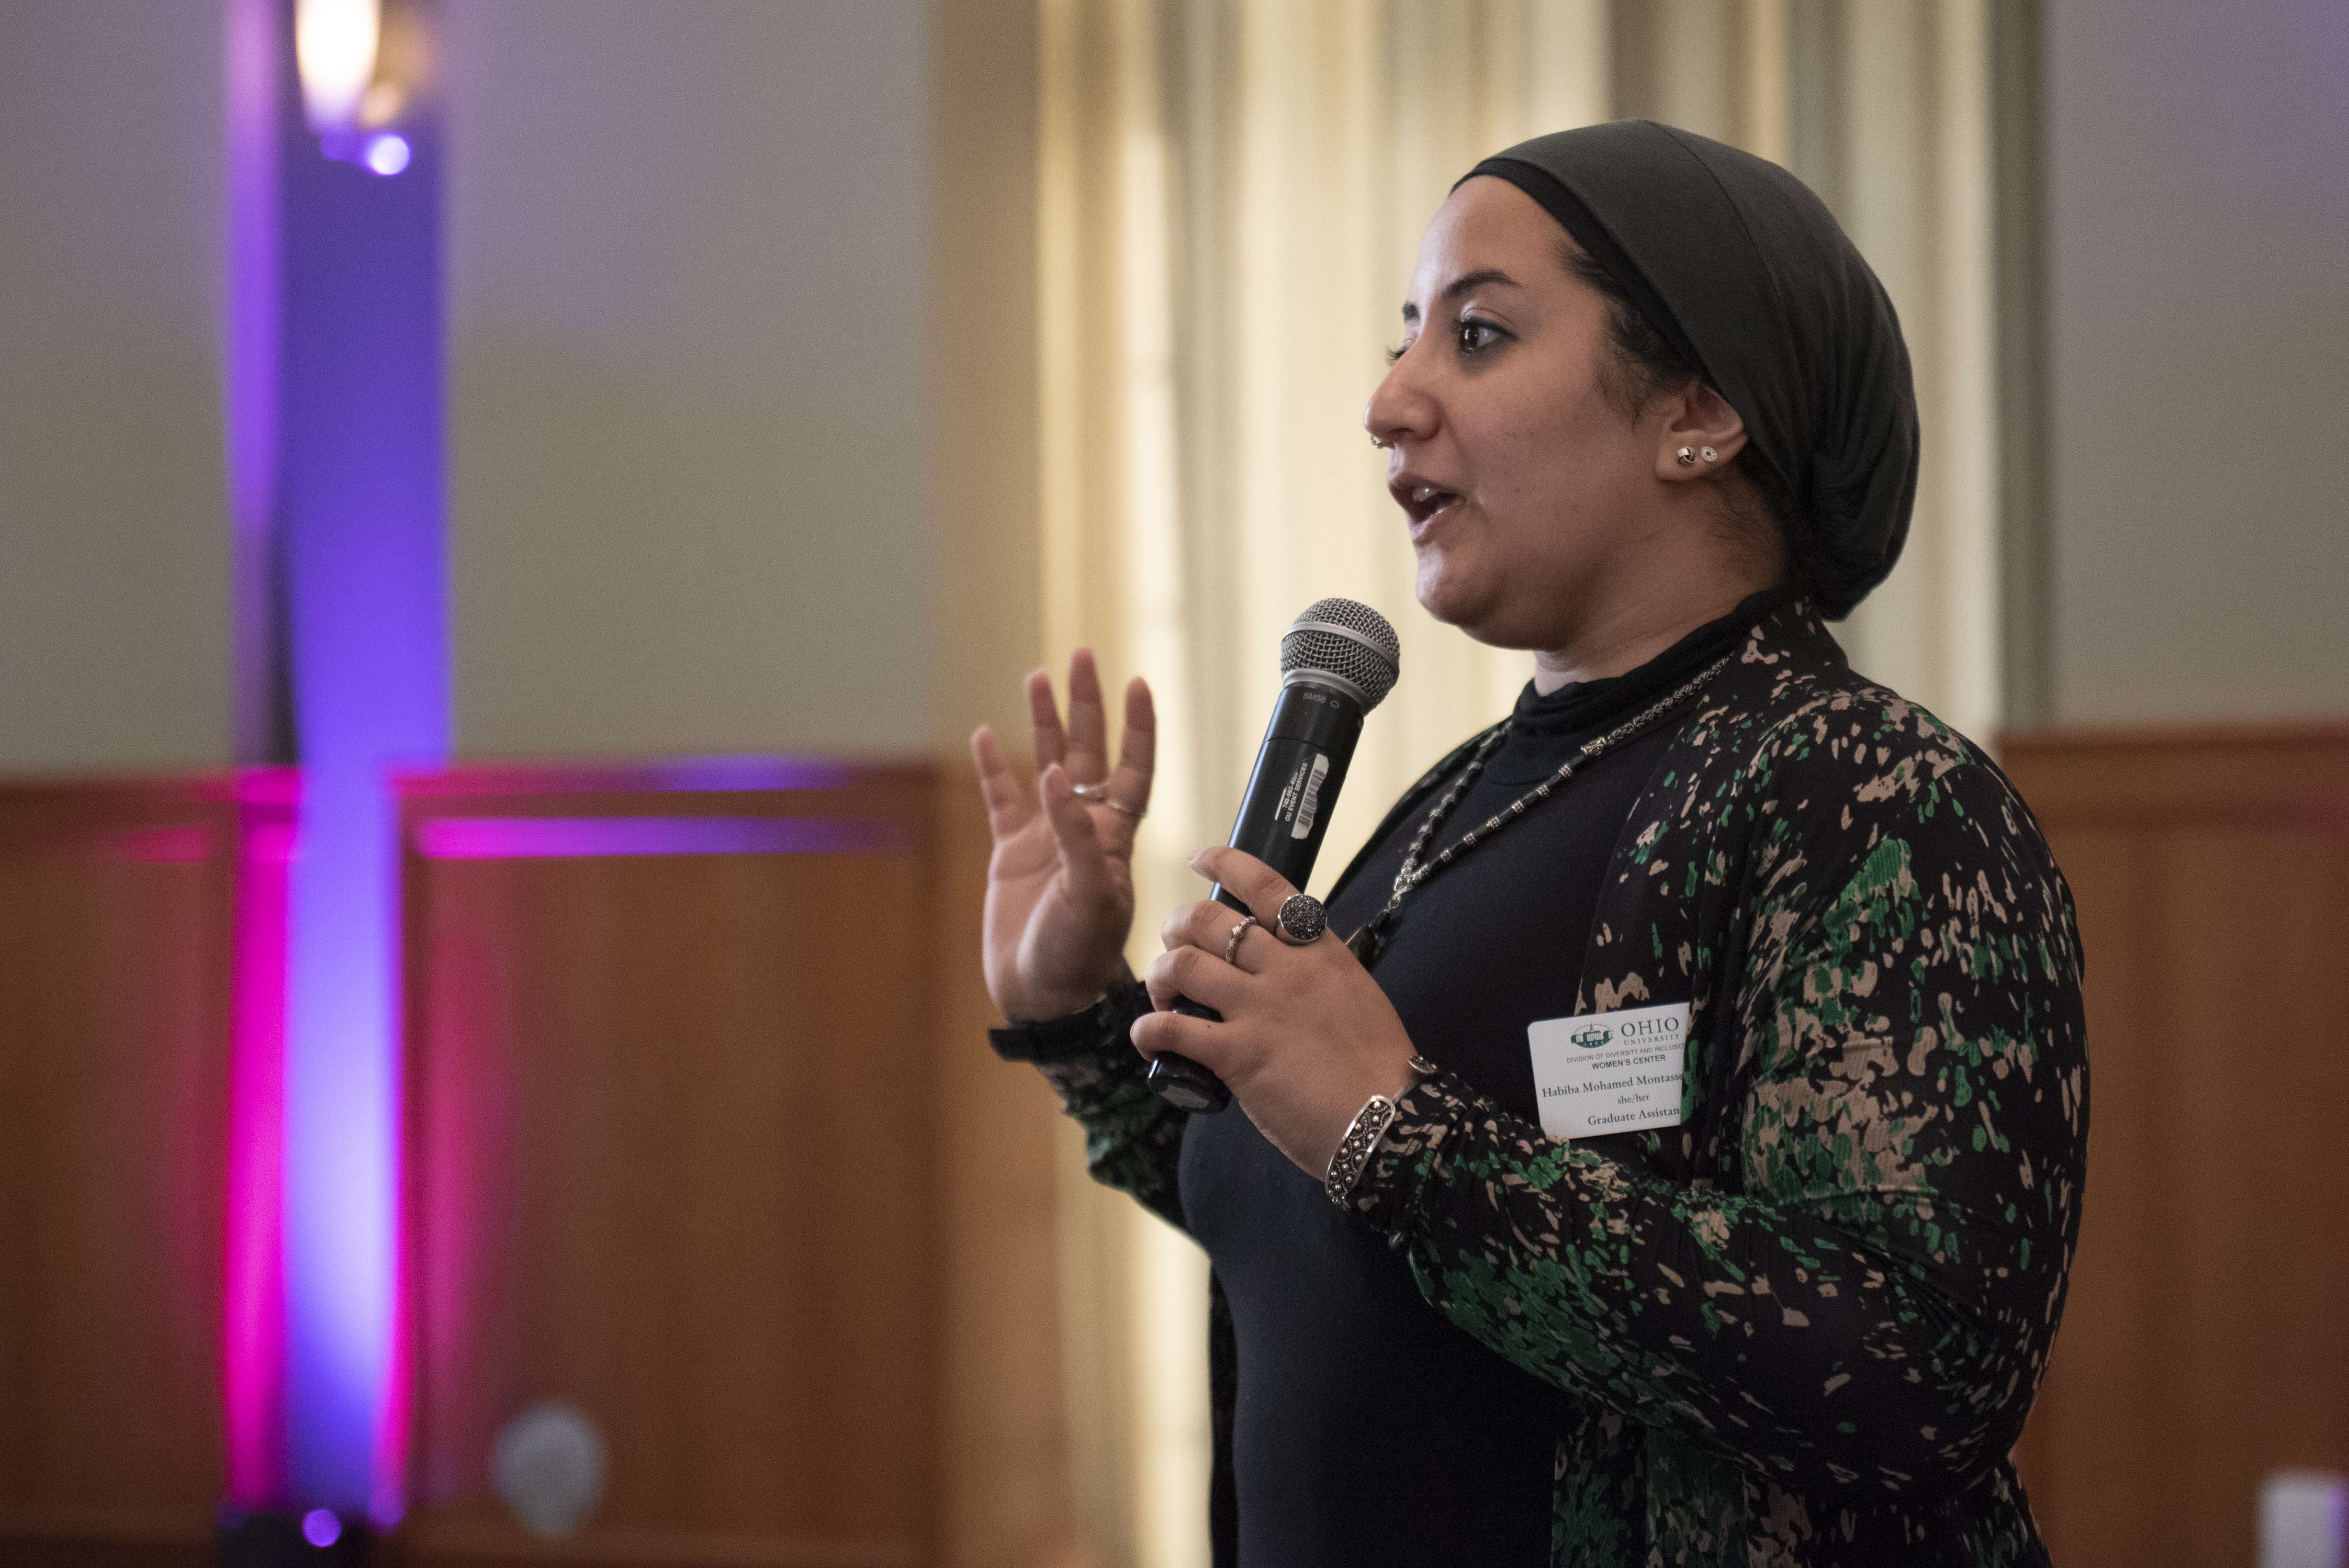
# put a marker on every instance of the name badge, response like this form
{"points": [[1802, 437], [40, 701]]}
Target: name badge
{"points": [[1610, 1072]]}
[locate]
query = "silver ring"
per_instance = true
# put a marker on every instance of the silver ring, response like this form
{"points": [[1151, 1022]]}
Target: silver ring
{"points": [[1099, 795], [1232, 948], [1302, 920]]}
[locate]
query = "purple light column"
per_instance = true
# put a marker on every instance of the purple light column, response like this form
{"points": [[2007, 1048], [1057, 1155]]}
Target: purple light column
{"points": [[252, 1359], [366, 626]]}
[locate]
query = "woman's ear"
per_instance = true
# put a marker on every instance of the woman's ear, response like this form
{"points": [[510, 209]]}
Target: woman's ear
{"points": [[1701, 435]]}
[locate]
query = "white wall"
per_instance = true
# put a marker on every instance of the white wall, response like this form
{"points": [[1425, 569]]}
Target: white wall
{"points": [[114, 541], [2199, 241], [686, 270]]}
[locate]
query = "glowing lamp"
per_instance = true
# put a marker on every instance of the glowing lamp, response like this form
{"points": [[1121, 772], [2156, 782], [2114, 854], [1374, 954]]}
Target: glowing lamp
{"points": [[385, 153], [334, 45]]}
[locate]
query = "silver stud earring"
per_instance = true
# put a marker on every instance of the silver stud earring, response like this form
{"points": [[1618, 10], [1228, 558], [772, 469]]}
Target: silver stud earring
{"points": [[1687, 458], [1708, 454]]}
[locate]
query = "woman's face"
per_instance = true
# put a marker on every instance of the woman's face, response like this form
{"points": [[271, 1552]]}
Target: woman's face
{"points": [[1529, 494]]}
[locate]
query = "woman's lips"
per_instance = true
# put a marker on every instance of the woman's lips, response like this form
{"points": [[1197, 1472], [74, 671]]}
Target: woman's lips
{"points": [[1422, 502], [1427, 507]]}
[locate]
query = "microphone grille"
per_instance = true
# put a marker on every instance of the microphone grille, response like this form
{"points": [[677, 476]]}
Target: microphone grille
{"points": [[1349, 642]]}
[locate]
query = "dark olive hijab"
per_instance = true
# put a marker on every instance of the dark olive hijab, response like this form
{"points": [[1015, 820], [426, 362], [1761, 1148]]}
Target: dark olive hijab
{"points": [[1748, 275]]}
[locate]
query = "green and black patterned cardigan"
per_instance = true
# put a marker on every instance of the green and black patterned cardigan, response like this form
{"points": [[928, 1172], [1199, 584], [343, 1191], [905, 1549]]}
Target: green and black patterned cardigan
{"points": [[1804, 1326]]}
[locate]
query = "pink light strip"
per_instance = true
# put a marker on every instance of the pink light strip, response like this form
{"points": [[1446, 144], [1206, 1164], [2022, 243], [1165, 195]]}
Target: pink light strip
{"points": [[675, 775], [568, 838], [253, 1350]]}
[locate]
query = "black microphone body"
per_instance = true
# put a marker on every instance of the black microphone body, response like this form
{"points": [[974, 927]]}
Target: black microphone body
{"points": [[1284, 816]]}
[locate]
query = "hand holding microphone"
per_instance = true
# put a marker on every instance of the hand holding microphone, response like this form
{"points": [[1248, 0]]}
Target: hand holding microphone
{"points": [[1339, 660], [1300, 1032], [1059, 899]]}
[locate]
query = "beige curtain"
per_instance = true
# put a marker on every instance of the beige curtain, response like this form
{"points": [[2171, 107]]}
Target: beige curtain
{"points": [[1230, 198], [1912, 184]]}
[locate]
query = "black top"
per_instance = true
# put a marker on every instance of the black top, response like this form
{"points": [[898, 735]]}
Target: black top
{"points": [[1333, 1336]]}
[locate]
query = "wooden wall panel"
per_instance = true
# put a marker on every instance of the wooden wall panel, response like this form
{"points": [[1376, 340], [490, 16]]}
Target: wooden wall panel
{"points": [[2203, 1345], [1005, 1498], [116, 919], [674, 1136], [639, 1027]]}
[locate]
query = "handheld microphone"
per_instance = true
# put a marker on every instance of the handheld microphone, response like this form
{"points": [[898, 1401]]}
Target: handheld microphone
{"points": [[1337, 661]]}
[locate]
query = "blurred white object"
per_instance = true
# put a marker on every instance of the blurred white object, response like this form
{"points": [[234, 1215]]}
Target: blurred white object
{"points": [[548, 1466], [2304, 1519], [335, 43]]}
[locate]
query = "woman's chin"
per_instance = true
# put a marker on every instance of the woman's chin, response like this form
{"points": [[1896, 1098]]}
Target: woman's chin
{"points": [[1485, 612], [1451, 596], [1436, 596]]}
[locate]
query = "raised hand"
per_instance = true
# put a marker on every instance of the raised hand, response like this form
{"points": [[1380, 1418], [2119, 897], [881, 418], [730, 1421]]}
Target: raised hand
{"points": [[1059, 885]]}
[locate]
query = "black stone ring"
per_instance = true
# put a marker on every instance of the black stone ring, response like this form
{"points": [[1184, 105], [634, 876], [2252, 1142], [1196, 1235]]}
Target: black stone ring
{"points": [[1301, 919]]}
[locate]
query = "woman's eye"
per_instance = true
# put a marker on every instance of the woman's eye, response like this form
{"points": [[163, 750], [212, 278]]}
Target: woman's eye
{"points": [[1398, 350], [1477, 335]]}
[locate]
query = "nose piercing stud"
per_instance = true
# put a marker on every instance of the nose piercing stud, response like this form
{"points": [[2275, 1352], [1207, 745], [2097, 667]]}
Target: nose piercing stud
{"points": [[1708, 454], [1379, 444], [1687, 458]]}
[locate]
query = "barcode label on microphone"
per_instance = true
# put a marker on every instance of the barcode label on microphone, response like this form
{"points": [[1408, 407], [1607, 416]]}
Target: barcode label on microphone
{"points": [[1310, 806]]}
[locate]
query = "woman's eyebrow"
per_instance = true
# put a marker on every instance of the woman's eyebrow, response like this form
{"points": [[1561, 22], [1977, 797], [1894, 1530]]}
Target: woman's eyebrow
{"points": [[1466, 282]]}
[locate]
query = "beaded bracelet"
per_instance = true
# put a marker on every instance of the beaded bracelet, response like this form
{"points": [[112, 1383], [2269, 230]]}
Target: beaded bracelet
{"points": [[1362, 1135]]}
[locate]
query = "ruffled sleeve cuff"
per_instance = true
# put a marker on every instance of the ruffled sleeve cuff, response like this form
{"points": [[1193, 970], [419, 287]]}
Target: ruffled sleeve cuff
{"points": [[1409, 1160], [1074, 1037], [1433, 1125]]}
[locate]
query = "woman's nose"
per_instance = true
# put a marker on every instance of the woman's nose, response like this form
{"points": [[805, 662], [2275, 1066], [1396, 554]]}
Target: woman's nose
{"points": [[1399, 408]]}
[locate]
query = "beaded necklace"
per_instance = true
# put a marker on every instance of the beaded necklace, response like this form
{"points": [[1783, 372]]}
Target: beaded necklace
{"points": [[1371, 941]]}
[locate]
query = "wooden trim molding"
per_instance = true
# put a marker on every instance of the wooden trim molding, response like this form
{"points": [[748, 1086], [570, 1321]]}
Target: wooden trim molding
{"points": [[2271, 772], [133, 1536], [465, 1544]]}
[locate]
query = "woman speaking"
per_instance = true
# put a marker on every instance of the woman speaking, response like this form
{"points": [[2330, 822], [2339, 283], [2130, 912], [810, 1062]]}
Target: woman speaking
{"points": [[1682, 1161]]}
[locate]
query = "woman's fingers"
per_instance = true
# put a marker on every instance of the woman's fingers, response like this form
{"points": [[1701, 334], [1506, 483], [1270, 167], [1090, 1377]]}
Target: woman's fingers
{"points": [[1007, 804], [1203, 1040], [1137, 752], [1044, 719], [1081, 747], [1088, 754], [1084, 864], [1200, 975], [1208, 926], [1262, 888]]}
